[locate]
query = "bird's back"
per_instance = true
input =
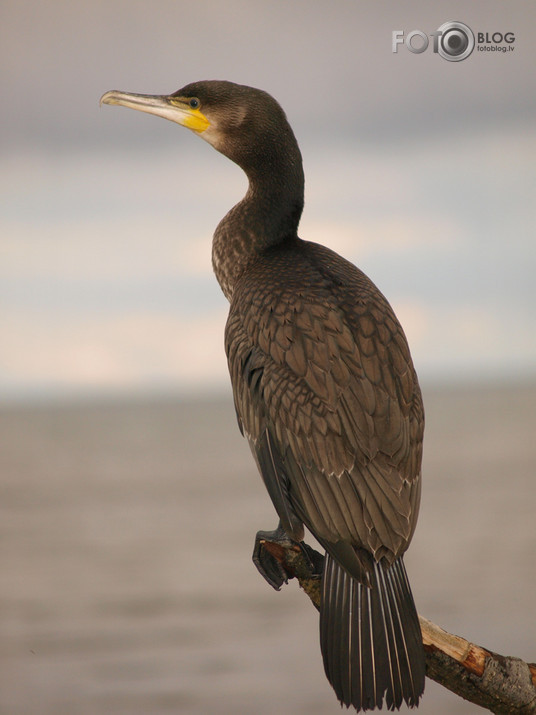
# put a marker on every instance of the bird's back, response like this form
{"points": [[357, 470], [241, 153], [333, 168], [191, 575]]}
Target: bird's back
{"points": [[318, 357]]}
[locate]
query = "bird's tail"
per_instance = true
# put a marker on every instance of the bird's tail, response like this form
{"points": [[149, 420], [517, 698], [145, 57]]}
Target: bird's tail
{"points": [[371, 638]]}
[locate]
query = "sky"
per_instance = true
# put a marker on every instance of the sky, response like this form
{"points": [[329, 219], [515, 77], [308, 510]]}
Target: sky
{"points": [[418, 169]]}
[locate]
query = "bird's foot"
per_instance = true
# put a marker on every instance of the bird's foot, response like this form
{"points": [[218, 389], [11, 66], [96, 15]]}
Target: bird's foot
{"points": [[269, 556], [279, 558]]}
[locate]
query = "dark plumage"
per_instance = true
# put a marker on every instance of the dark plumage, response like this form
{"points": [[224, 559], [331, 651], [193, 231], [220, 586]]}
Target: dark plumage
{"points": [[325, 392]]}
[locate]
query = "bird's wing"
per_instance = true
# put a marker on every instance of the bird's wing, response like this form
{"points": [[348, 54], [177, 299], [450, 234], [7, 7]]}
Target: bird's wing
{"points": [[326, 393]]}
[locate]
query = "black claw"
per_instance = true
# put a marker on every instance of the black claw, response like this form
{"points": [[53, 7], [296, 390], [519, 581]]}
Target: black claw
{"points": [[267, 565]]}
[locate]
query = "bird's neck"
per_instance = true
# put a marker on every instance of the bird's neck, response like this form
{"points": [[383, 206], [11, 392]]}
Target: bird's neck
{"points": [[268, 215]]}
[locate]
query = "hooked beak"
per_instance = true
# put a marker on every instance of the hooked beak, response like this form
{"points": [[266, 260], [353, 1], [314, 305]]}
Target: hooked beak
{"points": [[176, 109]]}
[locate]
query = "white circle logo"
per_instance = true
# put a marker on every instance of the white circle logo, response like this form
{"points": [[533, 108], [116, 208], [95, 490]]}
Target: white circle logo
{"points": [[456, 41]]}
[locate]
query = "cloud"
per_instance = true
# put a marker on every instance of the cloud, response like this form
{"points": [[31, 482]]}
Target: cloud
{"points": [[121, 248], [467, 340], [137, 350], [105, 274], [333, 71], [141, 350], [397, 234]]}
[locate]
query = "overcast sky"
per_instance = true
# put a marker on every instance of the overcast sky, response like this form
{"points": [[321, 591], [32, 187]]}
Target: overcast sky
{"points": [[420, 170]]}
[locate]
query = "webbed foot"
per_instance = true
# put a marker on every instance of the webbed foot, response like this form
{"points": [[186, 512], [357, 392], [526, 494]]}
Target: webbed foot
{"points": [[268, 565]]}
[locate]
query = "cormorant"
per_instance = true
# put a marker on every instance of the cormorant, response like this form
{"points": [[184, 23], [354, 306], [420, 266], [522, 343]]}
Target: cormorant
{"points": [[325, 392]]}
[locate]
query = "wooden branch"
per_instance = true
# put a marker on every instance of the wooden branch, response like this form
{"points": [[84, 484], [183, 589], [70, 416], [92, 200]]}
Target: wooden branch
{"points": [[501, 684], [496, 682]]}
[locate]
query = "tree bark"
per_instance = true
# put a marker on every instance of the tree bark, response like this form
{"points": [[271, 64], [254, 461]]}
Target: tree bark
{"points": [[501, 684]]}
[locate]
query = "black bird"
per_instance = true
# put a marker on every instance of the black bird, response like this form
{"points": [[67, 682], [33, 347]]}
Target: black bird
{"points": [[325, 392]]}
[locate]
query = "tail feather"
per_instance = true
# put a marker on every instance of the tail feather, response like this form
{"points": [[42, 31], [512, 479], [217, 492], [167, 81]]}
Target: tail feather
{"points": [[371, 638]]}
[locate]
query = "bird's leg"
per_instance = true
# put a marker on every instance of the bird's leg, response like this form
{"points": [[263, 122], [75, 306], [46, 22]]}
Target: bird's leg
{"points": [[271, 557]]}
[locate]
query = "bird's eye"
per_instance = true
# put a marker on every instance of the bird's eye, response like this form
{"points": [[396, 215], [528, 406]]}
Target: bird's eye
{"points": [[194, 103]]}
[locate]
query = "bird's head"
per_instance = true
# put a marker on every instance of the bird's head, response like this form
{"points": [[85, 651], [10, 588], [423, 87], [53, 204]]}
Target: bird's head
{"points": [[239, 121]]}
